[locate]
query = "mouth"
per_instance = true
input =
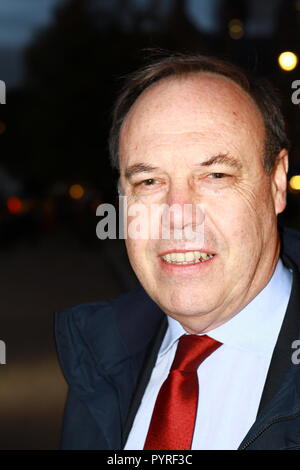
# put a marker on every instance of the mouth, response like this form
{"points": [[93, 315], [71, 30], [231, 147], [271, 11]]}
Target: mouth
{"points": [[184, 258]]}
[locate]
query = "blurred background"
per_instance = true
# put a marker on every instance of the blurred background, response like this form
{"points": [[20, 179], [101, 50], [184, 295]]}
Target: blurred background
{"points": [[61, 61]]}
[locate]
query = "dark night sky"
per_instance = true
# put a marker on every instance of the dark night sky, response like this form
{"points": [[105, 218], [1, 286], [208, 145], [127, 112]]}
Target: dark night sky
{"points": [[61, 61]]}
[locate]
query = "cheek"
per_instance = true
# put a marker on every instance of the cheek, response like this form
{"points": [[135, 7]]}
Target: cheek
{"points": [[239, 223], [138, 254], [134, 248]]}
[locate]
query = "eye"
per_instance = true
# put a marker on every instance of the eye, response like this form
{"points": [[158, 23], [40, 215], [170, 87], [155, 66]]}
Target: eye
{"points": [[217, 175], [147, 182]]}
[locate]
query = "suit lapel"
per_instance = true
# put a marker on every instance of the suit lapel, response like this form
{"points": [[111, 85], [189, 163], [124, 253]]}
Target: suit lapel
{"points": [[111, 343], [280, 395], [144, 377], [281, 358], [142, 326]]}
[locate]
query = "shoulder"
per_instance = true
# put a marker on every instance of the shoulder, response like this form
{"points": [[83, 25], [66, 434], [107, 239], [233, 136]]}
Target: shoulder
{"points": [[84, 318], [79, 319], [88, 335]]}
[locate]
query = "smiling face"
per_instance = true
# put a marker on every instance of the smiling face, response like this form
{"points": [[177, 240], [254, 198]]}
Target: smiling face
{"points": [[199, 140]]}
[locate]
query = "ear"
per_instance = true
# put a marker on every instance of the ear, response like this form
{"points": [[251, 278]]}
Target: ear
{"points": [[279, 181]]}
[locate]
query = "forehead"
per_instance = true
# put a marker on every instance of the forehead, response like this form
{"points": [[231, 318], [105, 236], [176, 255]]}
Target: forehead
{"points": [[200, 109]]}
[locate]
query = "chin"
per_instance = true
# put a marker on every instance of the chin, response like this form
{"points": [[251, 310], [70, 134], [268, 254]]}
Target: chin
{"points": [[185, 308]]}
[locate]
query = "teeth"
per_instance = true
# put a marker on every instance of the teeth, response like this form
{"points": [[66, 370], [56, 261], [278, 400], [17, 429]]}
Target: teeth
{"points": [[189, 257], [180, 257]]}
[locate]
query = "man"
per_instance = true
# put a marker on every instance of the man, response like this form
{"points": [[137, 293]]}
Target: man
{"points": [[193, 131]]}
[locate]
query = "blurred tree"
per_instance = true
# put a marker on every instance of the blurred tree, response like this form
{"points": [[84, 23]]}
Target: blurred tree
{"points": [[63, 116], [72, 67]]}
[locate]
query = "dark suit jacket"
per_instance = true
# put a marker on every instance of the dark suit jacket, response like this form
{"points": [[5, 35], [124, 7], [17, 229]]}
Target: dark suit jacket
{"points": [[107, 351]]}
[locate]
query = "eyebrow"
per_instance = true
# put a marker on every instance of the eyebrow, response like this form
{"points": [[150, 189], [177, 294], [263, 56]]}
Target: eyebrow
{"points": [[221, 159], [139, 168]]}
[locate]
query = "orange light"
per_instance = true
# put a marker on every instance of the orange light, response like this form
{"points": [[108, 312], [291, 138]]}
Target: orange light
{"points": [[76, 191], [2, 127], [14, 205]]}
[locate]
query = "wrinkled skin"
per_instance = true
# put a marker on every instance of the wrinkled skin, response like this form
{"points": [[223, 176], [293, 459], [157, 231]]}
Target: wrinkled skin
{"points": [[175, 126]]}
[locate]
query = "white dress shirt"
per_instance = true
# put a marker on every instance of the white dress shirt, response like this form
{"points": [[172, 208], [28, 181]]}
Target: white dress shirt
{"points": [[232, 378]]}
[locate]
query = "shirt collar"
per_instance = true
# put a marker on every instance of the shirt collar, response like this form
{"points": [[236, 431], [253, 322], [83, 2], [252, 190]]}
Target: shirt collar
{"points": [[256, 327]]}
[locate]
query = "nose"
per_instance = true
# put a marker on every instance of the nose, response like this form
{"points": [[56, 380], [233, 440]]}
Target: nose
{"points": [[181, 210]]}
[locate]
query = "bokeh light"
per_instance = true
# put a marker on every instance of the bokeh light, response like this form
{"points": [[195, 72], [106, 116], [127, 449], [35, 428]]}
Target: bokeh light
{"points": [[235, 28], [295, 183], [76, 191], [14, 205], [288, 61], [2, 127]]}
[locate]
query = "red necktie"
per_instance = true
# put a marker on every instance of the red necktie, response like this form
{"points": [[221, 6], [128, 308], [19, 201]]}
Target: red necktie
{"points": [[173, 419]]}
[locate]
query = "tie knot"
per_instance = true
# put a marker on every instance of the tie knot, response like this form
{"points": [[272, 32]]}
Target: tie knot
{"points": [[192, 350]]}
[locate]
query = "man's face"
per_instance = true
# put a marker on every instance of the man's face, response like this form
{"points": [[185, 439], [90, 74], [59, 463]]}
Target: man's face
{"points": [[200, 140]]}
